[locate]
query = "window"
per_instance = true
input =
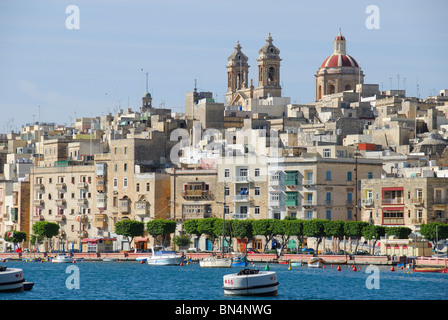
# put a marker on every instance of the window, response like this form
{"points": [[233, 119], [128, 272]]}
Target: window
{"points": [[226, 173], [125, 167], [327, 153], [369, 175], [328, 198], [243, 172], [328, 176], [328, 214], [226, 191], [125, 182], [349, 176], [115, 182], [147, 186], [257, 210], [115, 167], [257, 191], [293, 214], [137, 187], [349, 214], [257, 172], [125, 150], [226, 210], [309, 214]]}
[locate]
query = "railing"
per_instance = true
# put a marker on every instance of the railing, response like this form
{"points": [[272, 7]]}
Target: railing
{"points": [[367, 202], [438, 200], [196, 193], [308, 182], [241, 179], [241, 216], [392, 201], [308, 203], [241, 197]]}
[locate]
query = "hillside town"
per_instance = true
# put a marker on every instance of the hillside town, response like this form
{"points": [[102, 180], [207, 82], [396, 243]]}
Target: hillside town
{"points": [[356, 153]]}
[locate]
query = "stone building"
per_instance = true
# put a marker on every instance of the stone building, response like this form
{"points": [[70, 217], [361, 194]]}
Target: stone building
{"points": [[406, 202]]}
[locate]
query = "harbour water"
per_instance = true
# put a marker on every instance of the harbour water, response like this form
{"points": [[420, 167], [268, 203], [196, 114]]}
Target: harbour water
{"points": [[135, 281]]}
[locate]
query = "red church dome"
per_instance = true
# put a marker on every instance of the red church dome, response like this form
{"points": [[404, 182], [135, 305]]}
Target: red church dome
{"points": [[339, 60]]}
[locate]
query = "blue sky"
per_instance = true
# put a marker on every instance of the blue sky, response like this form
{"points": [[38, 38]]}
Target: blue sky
{"points": [[68, 72]]}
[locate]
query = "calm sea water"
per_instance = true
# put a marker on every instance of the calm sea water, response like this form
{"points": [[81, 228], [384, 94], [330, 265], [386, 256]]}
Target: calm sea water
{"points": [[135, 281]]}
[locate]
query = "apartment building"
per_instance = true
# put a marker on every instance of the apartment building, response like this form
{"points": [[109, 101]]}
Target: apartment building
{"points": [[65, 194], [311, 187], [404, 201]]}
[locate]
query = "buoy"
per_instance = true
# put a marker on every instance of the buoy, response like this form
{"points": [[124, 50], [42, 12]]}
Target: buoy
{"points": [[74, 261], [289, 268], [338, 268], [401, 267], [141, 261], [392, 269], [181, 263], [331, 265], [323, 267], [354, 269], [267, 267]]}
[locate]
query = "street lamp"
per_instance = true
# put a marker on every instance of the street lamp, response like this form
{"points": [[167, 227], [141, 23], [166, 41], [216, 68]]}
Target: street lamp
{"points": [[356, 154]]}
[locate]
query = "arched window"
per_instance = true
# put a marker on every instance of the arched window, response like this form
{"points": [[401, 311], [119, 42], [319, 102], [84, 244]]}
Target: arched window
{"points": [[347, 87], [271, 74], [319, 93], [331, 89]]}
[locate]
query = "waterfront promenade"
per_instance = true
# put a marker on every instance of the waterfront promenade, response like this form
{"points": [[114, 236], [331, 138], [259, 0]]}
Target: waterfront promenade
{"points": [[251, 257]]}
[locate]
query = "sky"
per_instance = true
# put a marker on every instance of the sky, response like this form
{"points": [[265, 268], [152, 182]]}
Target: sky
{"points": [[54, 73]]}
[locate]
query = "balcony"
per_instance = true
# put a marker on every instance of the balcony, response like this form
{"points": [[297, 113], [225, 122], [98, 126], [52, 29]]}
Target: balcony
{"points": [[38, 217], [439, 201], [241, 197], [291, 179], [196, 211], [101, 184], [367, 202], [196, 194], [349, 203], [38, 203], [61, 187], [141, 208], [60, 218], [39, 187], [418, 202], [82, 202], [61, 202], [392, 201], [100, 221], [308, 183], [308, 203], [82, 185], [241, 179], [291, 203], [124, 206], [240, 216], [328, 203]]}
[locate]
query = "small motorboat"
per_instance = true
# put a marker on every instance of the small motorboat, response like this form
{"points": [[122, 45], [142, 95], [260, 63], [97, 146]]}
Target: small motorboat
{"points": [[140, 259], [11, 279], [251, 282], [240, 261], [63, 258], [316, 262], [215, 262], [108, 259], [165, 258]]}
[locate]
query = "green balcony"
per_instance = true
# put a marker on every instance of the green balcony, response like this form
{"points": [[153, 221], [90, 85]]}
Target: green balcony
{"points": [[291, 178]]}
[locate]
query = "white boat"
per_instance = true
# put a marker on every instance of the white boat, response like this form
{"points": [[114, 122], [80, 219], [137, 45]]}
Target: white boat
{"points": [[249, 282], [63, 258], [316, 262], [108, 259], [11, 279], [165, 258], [216, 262]]}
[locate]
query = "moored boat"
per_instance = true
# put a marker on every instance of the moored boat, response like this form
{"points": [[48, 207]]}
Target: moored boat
{"points": [[11, 279], [63, 258], [316, 262], [430, 269], [165, 258], [249, 282], [240, 261], [215, 262]]}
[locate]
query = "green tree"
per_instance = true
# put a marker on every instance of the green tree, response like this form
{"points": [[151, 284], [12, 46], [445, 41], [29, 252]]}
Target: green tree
{"points": [[218, 230], [243, 229], [191, 227], [400, 232], [372, 232], [207, 226], [354, 229], [130, 229], [160, 228], [15, 236], [295, 228], [263, 227], [45, 229], [434, 231], [181, 241], [315, 228]]}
